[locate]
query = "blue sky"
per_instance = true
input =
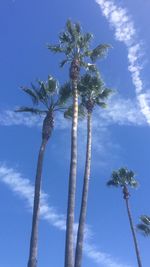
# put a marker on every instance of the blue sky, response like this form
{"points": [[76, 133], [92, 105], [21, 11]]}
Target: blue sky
{"points": [[120, 134]]}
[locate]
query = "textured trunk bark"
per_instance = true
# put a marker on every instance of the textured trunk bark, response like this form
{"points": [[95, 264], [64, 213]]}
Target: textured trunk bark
{"points": [[36, 209], [69, 246], [133, 233], [46, 132], [82, 218]]}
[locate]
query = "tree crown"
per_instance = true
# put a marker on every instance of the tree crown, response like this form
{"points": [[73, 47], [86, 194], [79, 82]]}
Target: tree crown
{"points": [[123, 177], [93, 91], [144, 225], [73, 43], [45, 97]]}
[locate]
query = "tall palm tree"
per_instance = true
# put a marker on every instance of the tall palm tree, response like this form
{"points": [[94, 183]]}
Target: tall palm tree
{"points": [[93, 93], [46, 102], [74, 44], [144, 225], [125, 178]]}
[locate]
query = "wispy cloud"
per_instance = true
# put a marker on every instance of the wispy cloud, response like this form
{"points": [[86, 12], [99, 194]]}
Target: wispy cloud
{"points": [[120, 20], [23, 188], [119, 111], [11, 118]]}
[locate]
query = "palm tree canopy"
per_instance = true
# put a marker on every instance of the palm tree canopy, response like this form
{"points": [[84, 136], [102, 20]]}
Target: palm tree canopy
{"points": [[74, 43], [46, 96], [92, 89], [123, 177], [144, 226]]}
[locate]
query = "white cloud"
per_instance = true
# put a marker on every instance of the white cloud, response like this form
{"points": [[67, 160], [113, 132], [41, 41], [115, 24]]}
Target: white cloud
{"points": [[119, 111], [120, 20], [23, 187], [11, 118]]}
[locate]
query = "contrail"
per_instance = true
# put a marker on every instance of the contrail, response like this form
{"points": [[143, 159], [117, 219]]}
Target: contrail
{"points": [[23, 188], [125, 32]]}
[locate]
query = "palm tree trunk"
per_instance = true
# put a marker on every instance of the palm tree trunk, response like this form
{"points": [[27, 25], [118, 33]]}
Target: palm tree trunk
{"points": [[80, 234], [69, 246], [46, 132], [36, 209], [133, 234]]}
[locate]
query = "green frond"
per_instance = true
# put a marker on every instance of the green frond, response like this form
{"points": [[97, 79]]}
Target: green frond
{"points": [[101, 104], [65, 93], [64, 38], [124, 177], [68, 113], [88, 37], [113, 183], [99, 52], [81, 112], [84, 42], [78, 27], [52, 85], [92, 90], [144, 229], [145, 219], [55, 48], [31, 110], [69, 26], [73, 30], [88, 66], [41, 92], [105, 93], [45, 90], [31, 93], [144, 226], [63, 62], [44, 93]]}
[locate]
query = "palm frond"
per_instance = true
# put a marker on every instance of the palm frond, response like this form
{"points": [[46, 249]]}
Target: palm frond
{"points": [[78, 27], [64, 38], [124, 177], [84, 42], [65, 93], [72, 29], [31, 110], [31, 93], [144, 226], [144, 229], [145, 219], [52, 85], [105, 93], [43, 93], [101, 104], [63, 62], [81, 112], [99, 52], [113, 183], [55, 48], [88, 66]]}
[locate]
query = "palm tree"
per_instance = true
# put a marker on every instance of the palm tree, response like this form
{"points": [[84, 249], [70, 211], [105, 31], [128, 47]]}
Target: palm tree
{"points": [[74, 44], [45, 97], [124, 178], [144, 225], [93, 93]]}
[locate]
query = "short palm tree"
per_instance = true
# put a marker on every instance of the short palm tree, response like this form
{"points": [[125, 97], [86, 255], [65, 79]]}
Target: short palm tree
{"points": [[144, 225], [46, 102], [74, 44], [125, 178], [93, 93]]}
